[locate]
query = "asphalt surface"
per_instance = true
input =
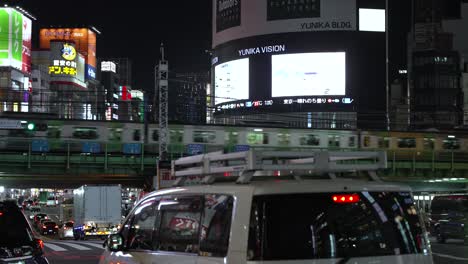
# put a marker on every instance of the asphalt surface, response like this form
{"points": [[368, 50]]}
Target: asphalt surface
{"points": [[451, 252], [68, 251]]}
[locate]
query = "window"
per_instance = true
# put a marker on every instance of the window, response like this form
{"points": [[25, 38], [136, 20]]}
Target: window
{"points": [[176, 136], [155, 135], [232, 138], [136, 135], [451, 143], [366, 141], [309, 140], [115, 134], [384, 143], [286, 227], [284, 139], [428, 143], [204, 136], [255, 138], [406, 143], [214, 238], [180, 221], [333, 141], [142, 230], [85, 133], [54, 132], [352, 142]]}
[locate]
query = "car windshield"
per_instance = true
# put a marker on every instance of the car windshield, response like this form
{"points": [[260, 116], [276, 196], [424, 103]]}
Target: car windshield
{"points": [[314, 226], [49, 223], [69, 224], [449, 203], [14, 230]]}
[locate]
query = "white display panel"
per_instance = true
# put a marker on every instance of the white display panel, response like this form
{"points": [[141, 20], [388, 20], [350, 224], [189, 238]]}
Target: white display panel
{"points": [[232, 81], [372, 20], [309, 74]]}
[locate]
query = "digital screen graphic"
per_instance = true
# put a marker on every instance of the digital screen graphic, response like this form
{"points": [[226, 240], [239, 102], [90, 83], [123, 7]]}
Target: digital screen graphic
{"points": [[232, 81], [309, 74]]}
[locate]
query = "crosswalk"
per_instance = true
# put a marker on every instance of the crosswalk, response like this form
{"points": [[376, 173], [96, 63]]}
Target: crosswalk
{"points": [[60, 246]]}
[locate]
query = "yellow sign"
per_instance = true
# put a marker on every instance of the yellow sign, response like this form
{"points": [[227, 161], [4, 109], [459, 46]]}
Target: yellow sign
{"points": [[68, 52]]}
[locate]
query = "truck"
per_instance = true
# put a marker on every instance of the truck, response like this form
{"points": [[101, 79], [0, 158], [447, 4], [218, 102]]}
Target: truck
{"points": [[66, 213], [97, 210], [43, 196]]}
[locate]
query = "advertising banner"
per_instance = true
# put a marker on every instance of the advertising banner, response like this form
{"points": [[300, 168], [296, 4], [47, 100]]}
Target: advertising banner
{"points": [[261, 17], [228, 14], [84, 39], [15, 46], [63, 59]]}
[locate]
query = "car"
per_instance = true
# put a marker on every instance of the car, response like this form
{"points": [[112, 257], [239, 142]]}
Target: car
{"points": [[18, 243], [449, 217], [289, 214], [39, 217], [49, 228], [66, 230]]}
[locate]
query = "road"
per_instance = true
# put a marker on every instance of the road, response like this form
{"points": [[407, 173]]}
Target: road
{"points": [[68, 251], [452, 252], [88, 252]]}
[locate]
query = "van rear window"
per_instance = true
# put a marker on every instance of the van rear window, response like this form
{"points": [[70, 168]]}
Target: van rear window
{"points": [[319, 226], [449, 203]]}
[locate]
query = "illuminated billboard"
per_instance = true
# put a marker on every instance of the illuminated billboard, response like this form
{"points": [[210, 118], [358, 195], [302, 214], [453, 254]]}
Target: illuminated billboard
{"points": [[236, 19], [372, 20], [63, 59], [84, 39], [309, 74], [232, 81], [15, 50]]}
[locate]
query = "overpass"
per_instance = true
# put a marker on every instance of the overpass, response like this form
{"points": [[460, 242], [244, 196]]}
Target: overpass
{"points": [[27, 167]]}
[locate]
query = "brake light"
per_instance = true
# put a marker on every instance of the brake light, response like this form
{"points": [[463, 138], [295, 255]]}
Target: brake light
{"points": [[1, 213], [56, 226], [345, 198], [41, 243], [44, 227]]}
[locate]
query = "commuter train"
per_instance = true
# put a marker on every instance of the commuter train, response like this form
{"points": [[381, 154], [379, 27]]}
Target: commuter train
{"points": [[59, 135]]}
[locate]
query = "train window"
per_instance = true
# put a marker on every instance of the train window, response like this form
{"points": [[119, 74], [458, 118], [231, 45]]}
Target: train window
{"points": [[366, 141], [309, 140], [54, 132], [352, 142], [204, 137], [136, 135], [232, 138], [384, 143], [451, 143], [115, 134], [284, 139], [176, 136], [255, 138], [406, 143], [429, 143], [85, 133], [333, 141], [155, 135]]}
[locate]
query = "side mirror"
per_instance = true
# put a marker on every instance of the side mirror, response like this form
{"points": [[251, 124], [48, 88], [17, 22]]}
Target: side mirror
{"points": [[114, 242]]}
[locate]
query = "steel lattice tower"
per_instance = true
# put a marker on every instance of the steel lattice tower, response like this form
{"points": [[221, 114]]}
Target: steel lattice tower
{"points": [[162, 76]]}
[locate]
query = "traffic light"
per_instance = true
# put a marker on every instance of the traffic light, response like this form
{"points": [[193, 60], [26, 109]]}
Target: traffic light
{"points": [[33, 126]]}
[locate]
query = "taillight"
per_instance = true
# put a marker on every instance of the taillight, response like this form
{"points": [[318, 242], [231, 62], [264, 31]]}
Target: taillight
{"points": [[1, 213], [56, 226], [44, 227], [345, 198], [41, 243]]}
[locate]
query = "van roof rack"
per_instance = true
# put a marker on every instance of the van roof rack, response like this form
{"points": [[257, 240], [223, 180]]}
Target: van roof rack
{"points": [[245, 165]]}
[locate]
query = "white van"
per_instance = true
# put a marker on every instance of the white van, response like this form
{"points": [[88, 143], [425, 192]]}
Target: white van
{"points": [[274, 221]]}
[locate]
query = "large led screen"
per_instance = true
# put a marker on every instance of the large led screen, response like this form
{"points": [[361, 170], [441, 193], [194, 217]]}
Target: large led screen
{"points": [[309, 74], [232, 81], [372, 20]]}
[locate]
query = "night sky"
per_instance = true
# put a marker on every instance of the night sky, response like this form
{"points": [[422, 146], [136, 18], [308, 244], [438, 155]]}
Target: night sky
{"points": [[135, 30]]}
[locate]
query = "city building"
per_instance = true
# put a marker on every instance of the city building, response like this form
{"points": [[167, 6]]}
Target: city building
{"points": [[15, 59], [41, 93], [436, 66], [188, 97], [308, 64]]}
